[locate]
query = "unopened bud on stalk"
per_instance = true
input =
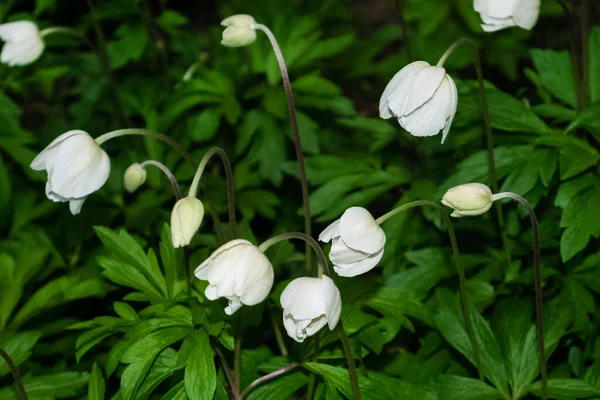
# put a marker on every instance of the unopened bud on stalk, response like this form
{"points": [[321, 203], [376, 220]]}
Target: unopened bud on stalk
{"points": [[185, 220], [468, 199], [239, 30], [134, 177]]}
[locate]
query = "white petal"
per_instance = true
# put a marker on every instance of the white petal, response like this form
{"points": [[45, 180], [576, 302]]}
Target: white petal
{"points": [[76, 204], [494, 28], [501, 8], [211, 292], [291, 327], [18, 30], [40, 162], [432, 116], [234, 305], [340, 253], [201, 271], [333, 301], [332, 231], [422, 86], [451, 106], [303, 298], [53, 196], [398, 83], [360, 267], [258, 281], [315, 325], [359, 230], [526, 13]]}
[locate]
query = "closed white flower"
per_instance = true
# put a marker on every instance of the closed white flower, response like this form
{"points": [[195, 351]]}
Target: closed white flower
{"points": [[422, 97], [238, 271], [308, 305], [500, 14], [23, 45], [186, 218], [358, 242], [468, 199], [134, 177], [239, 30], [76, 167]]}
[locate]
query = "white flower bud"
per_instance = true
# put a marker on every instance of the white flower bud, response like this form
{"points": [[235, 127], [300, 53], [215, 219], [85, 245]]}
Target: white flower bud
{"points": [[468, 199], [422, 97], [238, 271], [185, 220], [357, 242], [308, 305], [239, 30], [134, 177], [500, 14], [23, 45]]}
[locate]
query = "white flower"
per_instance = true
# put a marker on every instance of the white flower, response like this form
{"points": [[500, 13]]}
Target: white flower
{"points": [[500, 14], [76, 167], [239, 30], [238, 271], [23, 45], [468, 199], [308, 305], [186, 218], [134, 177], [422, 97], [358, 242]]}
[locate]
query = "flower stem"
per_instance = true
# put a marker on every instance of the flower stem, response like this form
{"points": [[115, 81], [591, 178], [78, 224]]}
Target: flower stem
{"points": [[168, 174], [237, 357], [179, 149], [278, 336], [404, 27], [585, 53], [267, 377], [225, 366], [15, 373], [105, 63], [488, 135], [230, 183], [321, 260], [459, 268], [350, 360], [539, 302], [186, 266], [296, 135]]}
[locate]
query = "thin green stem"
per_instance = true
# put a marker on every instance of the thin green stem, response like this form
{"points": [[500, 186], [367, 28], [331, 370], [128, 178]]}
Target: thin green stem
{"points": [[296, 135], [237, 357], [539, 301], [267, 377], [230, 183], [459, 268], [186, 265], [105, 63], [321, 260], [312, 379], [183, 152], [488, 135], [278, 336], [225, 366], [350, 360], [585, 52], [404, 27], [15, 373], [167, 173]]}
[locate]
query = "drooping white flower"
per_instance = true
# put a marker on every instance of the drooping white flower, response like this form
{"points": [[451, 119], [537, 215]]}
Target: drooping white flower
{"points": [[358, 242], [239, 30], [186, 218], [422, 97], [76, 167], [238, 271], [24, 44], [500, 14], [134, 177], [468, 199], [308, 305]]}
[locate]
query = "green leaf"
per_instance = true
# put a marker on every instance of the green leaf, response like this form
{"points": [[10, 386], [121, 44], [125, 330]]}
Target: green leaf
{"points": [[129, 46], [96, 385], [65, 384], [125, 311], [460, 388], [176, 393], [509, 114], [280, 388], [206, 124], [556, 73], [595, 63], [566, 389], [200, 373], [18, 347], [316, 84], [163, 367], [576, 155], [5, 196]]}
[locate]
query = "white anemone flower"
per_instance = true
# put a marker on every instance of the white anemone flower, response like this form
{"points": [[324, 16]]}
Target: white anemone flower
{"points": [[24, 44], [308, 305], [76, 167], [468, 199], [238, 271], [134, 177], [500, 14], [239, 30], [358, 242], [422, 97], [186, 218]]}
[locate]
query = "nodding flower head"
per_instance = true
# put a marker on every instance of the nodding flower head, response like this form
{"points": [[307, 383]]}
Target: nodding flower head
{"points": [[239, 30], [468, 199]]}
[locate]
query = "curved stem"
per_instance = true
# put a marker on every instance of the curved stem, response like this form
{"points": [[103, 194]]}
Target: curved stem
{"points": [[404, 27], [321, 260], [350, 360], [230, 183], [459, 268], [539, 301], [15, 373], [179, 149], [488, 134], [296, 135], [267, 377], [66, 31], [168, 173], [225, 366]]}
